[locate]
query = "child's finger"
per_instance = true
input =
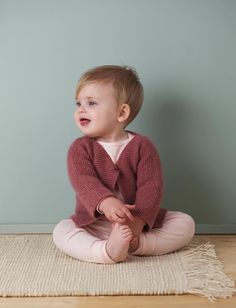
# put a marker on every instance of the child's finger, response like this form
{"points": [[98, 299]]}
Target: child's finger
{"points": [[128, 214], [130, 206], [122, 217], [119, 219]]}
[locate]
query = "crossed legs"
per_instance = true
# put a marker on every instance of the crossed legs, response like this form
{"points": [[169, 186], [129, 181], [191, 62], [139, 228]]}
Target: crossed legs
{"points": [[103, 243]]}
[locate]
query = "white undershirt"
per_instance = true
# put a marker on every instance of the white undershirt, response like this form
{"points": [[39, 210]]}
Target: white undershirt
{"points": [[114, 149]]}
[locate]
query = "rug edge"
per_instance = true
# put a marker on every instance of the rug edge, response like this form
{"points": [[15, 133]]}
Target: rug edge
{"points": [[216, 284]]}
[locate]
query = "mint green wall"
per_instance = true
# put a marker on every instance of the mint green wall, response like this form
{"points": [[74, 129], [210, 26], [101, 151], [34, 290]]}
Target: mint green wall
{"points": [[185, 53]]}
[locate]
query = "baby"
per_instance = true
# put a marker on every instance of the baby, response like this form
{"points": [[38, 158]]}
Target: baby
{"points": [[117, 177]]}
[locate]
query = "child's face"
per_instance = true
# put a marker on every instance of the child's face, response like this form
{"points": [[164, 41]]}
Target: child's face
{"points": [[97, 112]]}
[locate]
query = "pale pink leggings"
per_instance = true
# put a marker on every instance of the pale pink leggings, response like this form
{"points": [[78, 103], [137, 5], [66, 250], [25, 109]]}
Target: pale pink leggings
{"points": [[89, 243]]}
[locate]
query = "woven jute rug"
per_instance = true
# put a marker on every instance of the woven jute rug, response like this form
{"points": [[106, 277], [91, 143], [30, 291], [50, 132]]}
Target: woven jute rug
{"points": [[30, 265]]}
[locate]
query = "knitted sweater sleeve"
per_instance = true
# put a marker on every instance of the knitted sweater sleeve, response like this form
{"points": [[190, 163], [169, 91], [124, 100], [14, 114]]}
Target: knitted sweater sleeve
{"points": [[149, 184], [84, 179]]}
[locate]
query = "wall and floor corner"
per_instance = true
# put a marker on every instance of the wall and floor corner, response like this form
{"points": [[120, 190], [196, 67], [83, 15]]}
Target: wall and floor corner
{"points": [[184, 52]]}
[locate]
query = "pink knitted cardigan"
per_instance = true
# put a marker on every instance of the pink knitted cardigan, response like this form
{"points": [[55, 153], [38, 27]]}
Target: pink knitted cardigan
{"points": [[137, 174]]}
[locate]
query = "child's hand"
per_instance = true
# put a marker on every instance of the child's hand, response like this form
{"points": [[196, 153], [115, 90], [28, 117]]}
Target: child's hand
{"points": [[136, 227], [116, 211]]}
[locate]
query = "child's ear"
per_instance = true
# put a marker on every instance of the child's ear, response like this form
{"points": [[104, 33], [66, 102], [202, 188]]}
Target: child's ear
{"points": [[124, 112]]}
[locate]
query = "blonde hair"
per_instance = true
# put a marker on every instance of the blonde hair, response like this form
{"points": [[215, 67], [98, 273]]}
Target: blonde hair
{"points": [[125, 81]]}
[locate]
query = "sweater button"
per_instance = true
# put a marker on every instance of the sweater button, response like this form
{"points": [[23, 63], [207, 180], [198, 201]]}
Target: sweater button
{"points": [[116, 168]]}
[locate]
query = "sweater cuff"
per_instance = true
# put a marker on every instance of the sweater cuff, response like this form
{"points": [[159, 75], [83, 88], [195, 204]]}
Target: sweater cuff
{"points": [[97, 209]]}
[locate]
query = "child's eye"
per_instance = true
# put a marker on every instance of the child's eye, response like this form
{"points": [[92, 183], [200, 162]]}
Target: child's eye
{"points": [[92, 103], [78, 104]]}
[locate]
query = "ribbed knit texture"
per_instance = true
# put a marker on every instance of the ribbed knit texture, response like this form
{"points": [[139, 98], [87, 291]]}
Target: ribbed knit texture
{"points": [[137, 174]]}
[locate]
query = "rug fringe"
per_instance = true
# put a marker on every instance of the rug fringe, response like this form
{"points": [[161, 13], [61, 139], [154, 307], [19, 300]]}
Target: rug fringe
{"points": [[201, 264]]}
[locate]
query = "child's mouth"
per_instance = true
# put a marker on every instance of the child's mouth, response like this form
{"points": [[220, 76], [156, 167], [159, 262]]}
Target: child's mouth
{"points": [[84, 121]]}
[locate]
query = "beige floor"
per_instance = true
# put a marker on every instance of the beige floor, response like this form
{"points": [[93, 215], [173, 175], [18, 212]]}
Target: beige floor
{"points": [[225, 246]]}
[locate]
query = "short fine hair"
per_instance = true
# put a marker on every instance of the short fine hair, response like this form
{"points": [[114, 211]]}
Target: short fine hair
{"points": [[125, 81]]}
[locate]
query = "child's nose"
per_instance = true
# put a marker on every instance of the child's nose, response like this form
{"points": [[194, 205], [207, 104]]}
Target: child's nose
{"points": [[82, 109]]}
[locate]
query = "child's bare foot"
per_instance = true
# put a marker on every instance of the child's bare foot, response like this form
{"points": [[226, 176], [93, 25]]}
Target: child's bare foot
{"points": [[118, 243]]}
